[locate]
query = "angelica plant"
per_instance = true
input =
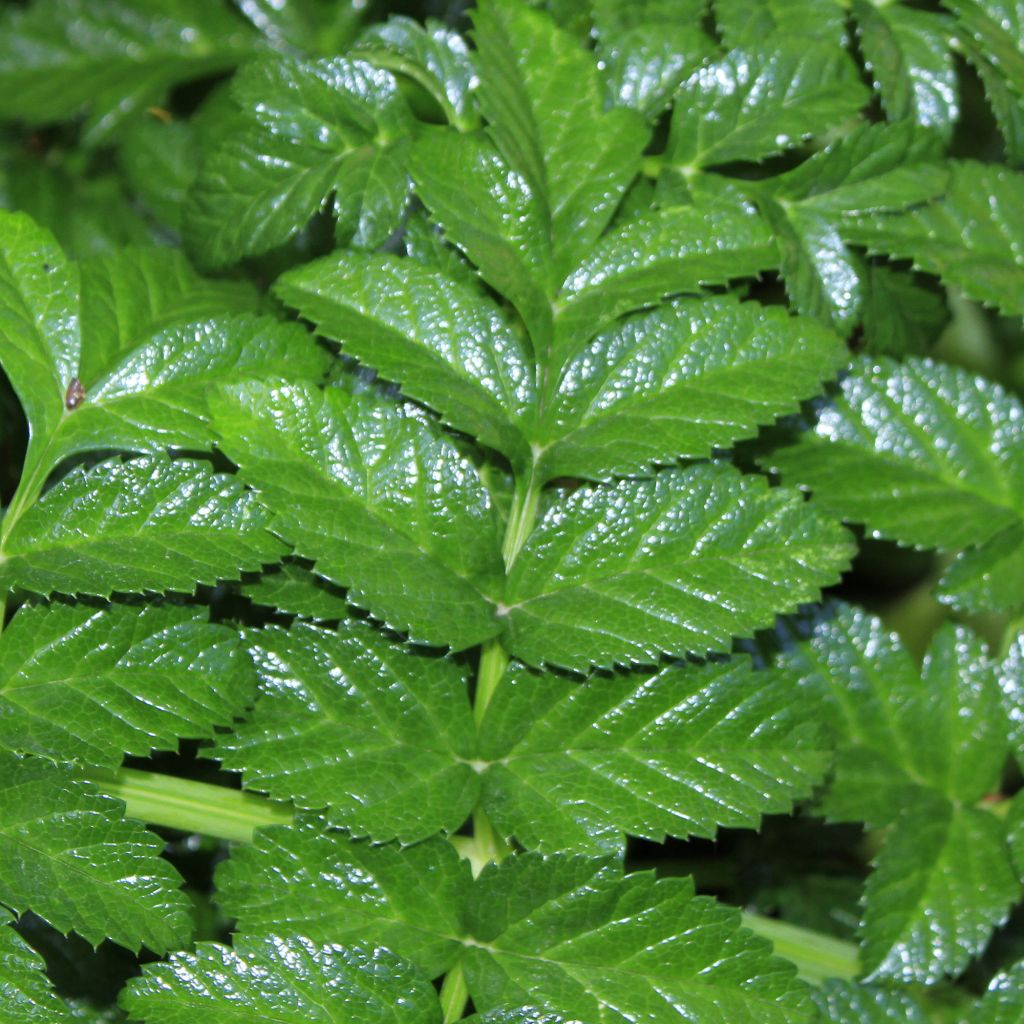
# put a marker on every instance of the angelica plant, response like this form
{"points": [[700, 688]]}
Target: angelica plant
{"points": [[459, 433]]}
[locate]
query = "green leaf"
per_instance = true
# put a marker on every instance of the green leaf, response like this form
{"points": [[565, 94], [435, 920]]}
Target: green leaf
{"points": [[681, 752], [87, 684], [1011, 682], [908, 54], [156, 395], [133, 294], [902, 315], [847, 1002], [309, 129], [607, 948], [665, 253], [294, 590], [997, 26], [378, 734], [681, 563], [443, 342], [114, 59], [283, 981], [495, 216], [378, 498], [678, 382], [989, 577], [409, 900], [66, 854], [821, 23], [39, 329], [648, 49], [144, 524], [25, 991], [969, 238], [916, 751], [1003, 1002], [542, 94], [431, 55], [941, 884], [921, 452], [874, 167], [1007, 106], [753, 104]]}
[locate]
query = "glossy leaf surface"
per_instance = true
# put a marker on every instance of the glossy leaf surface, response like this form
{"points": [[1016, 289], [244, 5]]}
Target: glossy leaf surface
{"points": [[752, 105], [409, 900], [352, 722], [28, 997], [921, 452], [67, 854], [306, 130], [445, 343], [284, 981], [680, 752], [679, 382], [144, 524], [969, 238], [114, 58], [612, 949], [89, 683], [383, 504], [916, 751], [681, 563]]}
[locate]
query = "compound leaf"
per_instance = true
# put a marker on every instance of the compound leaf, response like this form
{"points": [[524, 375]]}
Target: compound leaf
{"points": [[447, 344], [916, 751], [688, 377], [67, 854], [307, 130], [997, 27], [680, 563], [89, 684], [969, 237], [681, 752], [378, 498], [921, 452], [409, 900], [144, 524], [283, 980], [377, 733], [607, 948]]}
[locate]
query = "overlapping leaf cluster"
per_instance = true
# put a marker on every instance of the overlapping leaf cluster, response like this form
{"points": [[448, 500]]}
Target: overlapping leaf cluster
{"points": [[492, 456]]}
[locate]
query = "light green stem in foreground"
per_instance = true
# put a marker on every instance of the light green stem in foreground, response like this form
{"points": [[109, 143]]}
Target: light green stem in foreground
{"points": [[231, 814], [454, 995], [815, 955], [192, 806]]}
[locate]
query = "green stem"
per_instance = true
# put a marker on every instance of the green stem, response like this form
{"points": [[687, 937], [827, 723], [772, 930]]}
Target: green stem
{"points": [[816, 956], [454, 995], [191, 806]]}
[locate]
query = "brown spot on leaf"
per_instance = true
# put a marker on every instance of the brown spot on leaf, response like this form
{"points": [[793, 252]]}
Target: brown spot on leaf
{"points": [[75, 394]]}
